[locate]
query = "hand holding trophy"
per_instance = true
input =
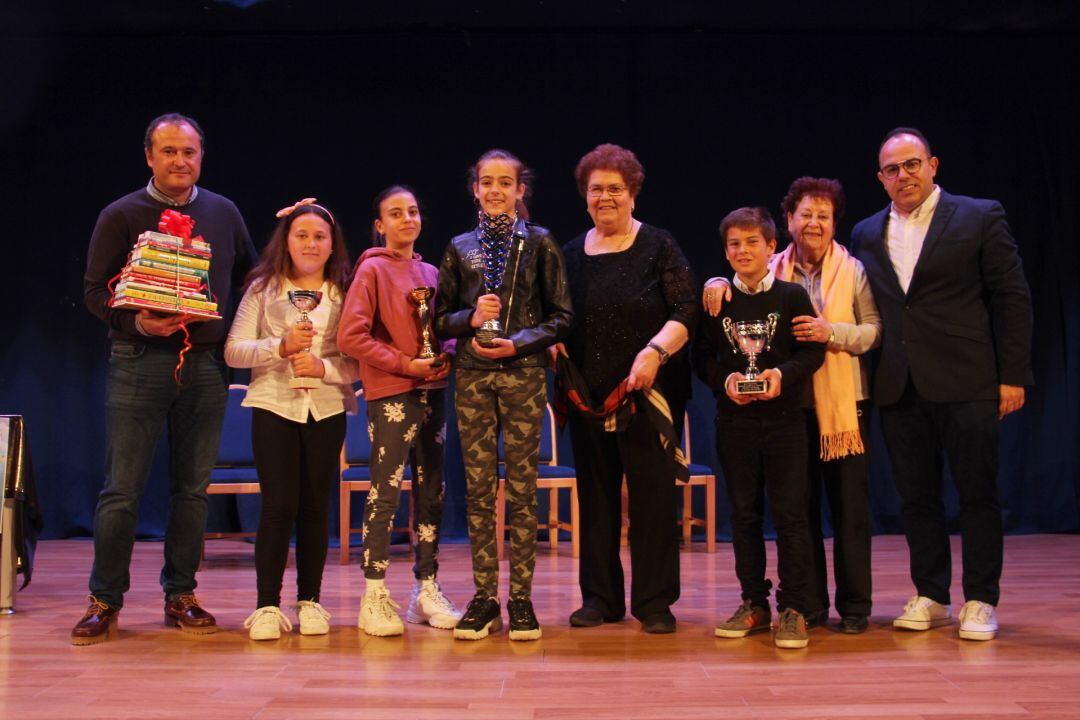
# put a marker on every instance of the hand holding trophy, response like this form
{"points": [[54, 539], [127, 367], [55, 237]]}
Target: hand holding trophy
{"points": [[495, 254], [751, 337], [305, 301]]}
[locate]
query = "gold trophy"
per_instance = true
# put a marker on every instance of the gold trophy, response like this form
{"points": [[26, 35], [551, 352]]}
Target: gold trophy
{"points": [[305, 301], [420, 297], [751, 337]]}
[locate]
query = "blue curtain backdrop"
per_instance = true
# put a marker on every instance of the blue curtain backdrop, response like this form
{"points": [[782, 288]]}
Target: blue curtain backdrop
{"points": [[724, 107]]}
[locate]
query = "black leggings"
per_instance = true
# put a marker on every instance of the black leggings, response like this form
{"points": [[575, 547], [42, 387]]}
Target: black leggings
{"points": [[297, 465]]}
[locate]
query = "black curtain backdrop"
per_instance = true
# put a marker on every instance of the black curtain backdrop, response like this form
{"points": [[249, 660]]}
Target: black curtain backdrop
{"points": [[723, 106]]}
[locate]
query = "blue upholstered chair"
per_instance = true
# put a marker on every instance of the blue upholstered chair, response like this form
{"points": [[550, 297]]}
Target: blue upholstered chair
{"points": [[356, 475], [700, 476], [552, 477], [234, 470]]}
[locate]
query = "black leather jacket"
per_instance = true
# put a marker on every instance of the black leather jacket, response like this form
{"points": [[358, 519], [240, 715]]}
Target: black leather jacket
{"points": [[538, 314]]}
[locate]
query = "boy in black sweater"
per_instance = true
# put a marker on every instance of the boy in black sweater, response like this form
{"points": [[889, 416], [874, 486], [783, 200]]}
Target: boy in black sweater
{"points": [[761, 437]]}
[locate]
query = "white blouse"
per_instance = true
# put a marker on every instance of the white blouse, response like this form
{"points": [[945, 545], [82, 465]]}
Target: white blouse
{"points": [[262, 320]]}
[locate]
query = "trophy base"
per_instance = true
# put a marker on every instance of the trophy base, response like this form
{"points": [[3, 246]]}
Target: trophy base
{"points": [[751, 387], [304, 383], [485, 337]]}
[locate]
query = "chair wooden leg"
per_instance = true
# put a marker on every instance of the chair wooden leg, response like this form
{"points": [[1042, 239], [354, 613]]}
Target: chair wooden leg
{"points": [[553, 518], [687, 514], [500, 518], [344, 502], [575, 519], [710, 514], [625, 514]]}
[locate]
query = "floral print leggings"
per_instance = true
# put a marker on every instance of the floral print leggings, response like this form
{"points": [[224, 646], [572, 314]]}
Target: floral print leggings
{"points": [[410, 427]]}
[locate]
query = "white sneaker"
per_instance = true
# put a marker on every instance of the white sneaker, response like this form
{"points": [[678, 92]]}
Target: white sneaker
{"points": [[266, 623], [377, 616], [922, 613], [313, 618], [978, 621], [429, 605]]}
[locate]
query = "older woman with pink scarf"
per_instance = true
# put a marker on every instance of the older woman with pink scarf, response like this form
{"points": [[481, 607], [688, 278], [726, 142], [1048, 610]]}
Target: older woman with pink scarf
{"points": [[838, 429]]}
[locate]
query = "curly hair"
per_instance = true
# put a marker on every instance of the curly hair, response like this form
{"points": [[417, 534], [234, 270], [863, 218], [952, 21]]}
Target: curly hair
{"points": [[824, 188], [275, 263], [609, 156], [747, 218]]}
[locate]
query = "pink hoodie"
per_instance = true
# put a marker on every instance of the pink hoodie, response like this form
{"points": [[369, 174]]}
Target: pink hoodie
{"points": [[379, 323]]}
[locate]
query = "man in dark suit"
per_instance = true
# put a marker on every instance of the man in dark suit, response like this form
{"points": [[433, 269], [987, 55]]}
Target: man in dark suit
{"points": [[954, 360]]}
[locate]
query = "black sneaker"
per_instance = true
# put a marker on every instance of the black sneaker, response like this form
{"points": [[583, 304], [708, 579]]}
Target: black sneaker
{"points": [[523, 622], [482, 616]]}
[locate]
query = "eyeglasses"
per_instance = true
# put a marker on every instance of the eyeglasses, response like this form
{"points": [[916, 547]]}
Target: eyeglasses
{"points": [[612, 190], [911, 166]]}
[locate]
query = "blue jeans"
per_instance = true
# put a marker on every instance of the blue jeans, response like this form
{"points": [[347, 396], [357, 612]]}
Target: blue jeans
{"points": [[141, 397]]}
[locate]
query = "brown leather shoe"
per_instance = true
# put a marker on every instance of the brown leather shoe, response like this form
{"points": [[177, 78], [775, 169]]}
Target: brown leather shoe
{"points": [[184, 612], [97, 625]]}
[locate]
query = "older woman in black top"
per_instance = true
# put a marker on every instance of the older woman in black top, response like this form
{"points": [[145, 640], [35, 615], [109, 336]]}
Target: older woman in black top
{"points": [[635, 302]]}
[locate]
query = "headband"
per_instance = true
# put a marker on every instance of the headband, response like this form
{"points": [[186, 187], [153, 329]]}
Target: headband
{"points": [[290, 209]]}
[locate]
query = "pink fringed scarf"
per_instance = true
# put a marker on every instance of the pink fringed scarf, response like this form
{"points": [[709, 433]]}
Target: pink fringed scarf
{"points": [[834, 383]]}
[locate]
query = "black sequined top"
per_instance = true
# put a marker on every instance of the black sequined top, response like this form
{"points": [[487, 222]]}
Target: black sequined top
{"points": [[621, 300]]}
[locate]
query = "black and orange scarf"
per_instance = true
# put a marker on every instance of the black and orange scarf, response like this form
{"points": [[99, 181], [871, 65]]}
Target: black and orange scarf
{"points": [[617, 410]]}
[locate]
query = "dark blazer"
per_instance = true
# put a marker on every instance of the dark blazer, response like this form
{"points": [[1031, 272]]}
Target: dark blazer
{"points": [[964, 326]]}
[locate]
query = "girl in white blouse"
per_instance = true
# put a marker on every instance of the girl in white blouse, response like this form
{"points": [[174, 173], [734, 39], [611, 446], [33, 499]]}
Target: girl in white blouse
{"points": [[296, 434]]}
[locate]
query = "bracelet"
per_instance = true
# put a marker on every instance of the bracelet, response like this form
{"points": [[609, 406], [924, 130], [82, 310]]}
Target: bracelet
{"points": [[664, 354]]}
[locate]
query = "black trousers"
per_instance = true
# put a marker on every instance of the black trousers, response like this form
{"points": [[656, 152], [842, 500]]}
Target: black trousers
{"points": [[845, 483], [767, 457], [602, 458], [920, 435], [297, 465]]}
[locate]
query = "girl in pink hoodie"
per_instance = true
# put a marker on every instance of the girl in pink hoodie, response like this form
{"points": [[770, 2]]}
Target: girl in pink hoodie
{"points": [[381, 328]]}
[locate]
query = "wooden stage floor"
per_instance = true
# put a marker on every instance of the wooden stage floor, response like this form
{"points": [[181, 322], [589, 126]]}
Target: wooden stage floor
{"points": [[1031, 671]]}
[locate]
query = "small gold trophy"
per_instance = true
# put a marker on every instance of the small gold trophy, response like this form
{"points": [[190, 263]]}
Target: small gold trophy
{"points": [[420, 297], [305, 301]]}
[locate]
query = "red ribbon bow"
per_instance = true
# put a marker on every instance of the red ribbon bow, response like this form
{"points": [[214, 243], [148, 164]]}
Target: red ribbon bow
{"points": [[178, 225]]}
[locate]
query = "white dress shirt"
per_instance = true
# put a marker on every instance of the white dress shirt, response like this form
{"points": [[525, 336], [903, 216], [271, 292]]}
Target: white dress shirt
{"points": [[262, 320], [905, 236]]}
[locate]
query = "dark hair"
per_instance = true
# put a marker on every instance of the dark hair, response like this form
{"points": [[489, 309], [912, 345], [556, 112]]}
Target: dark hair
{"points": [[746, 218], [171, 119], [608, 156], [525, 176], [276, 264], [377, 238], [915, 132], [824, 188]]}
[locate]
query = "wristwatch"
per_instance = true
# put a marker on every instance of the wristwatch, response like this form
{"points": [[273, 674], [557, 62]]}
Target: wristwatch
{"points": [[664, 354]]}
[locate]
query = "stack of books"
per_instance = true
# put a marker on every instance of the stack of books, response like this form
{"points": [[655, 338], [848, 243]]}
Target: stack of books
{"points": [[167, 274]]}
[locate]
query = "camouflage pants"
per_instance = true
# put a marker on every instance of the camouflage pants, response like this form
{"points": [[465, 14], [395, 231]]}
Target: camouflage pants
{"points": [[410, 427], [512, 400]]}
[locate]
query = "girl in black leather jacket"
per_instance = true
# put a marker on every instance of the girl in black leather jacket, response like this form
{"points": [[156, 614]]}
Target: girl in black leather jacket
{"points": [[512, 271]]}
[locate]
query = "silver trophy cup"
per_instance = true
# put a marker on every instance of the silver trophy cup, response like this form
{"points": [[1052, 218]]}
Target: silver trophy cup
{"points": [[751, 338], [305, 301]]}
